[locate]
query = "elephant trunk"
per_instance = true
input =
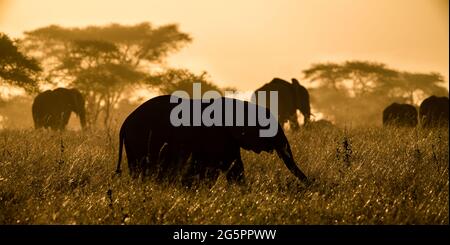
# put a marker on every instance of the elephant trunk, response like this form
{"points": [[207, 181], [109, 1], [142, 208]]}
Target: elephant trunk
{"points": [[81, 112], [78, 106], [82, 115], [285, 154], [305, 109], [307, 117]]}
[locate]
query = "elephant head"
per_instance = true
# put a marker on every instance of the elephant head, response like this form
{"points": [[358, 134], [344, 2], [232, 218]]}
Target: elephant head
{"points": [[301, 98], [249, 138], [74, 101], [78, 106]]}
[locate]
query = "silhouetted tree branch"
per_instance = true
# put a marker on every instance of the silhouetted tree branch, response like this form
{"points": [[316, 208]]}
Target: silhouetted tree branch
{"points": [[180, 79], [359, 90], [102, 60], [16, 68]]}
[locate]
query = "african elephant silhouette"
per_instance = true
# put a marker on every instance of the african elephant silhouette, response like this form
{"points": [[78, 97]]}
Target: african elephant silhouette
{"points": [[147, 130], [400, 115], [52, 108], [291, 96], [433, 112]]}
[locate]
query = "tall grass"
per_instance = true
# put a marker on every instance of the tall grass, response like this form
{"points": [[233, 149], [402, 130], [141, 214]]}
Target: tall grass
{"points": [[361, 176]]}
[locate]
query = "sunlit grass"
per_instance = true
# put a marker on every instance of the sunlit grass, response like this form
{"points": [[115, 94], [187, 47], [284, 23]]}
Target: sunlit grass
{"points": [[379, 176]]}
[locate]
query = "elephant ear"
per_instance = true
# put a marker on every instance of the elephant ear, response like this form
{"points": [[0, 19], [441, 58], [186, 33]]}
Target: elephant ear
{"points": [[79, 99], [295, 82], [297, 91], [301, 98], [79, 106]]}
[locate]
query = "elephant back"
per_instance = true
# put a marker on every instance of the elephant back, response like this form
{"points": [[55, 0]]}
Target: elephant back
{"points": [[400, 115], [434, 112]]}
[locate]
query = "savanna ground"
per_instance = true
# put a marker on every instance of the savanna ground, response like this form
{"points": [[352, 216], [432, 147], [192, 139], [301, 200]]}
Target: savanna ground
{"points": [[362, 176]]}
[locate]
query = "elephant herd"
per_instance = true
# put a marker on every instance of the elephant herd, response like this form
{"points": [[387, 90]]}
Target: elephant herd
{"points": [[433, 112], [184, 153]]}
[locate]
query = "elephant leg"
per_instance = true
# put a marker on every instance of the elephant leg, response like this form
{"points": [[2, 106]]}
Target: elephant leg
{"points": [[155, 151], [149, 167], [65, 116], [132, 167], [163, 162], [208, 175], [38, 123], [49, 123], [53, 121], [191, 172], [169, 163], [58, 121], [181, 164], [208, 170], [293, 122], [135, 167], [200, 171], [211, 176], [167, 168], [54, 126], [140, 168], [236, 173], [133, 159]]}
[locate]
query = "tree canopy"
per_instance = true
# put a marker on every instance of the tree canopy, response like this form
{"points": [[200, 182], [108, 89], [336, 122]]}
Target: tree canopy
{"points": [[358, 91], [16, 68], [180, 79], [137, 43], [102, 60]]}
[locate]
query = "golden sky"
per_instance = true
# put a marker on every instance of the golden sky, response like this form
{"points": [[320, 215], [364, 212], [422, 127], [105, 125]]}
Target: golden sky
{"points": [[245, 43]]}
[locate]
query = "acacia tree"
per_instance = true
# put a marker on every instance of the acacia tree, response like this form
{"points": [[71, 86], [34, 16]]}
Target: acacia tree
{"points": [[102, 60], [180, 79], [17, 69], [98, 71], [414, 87], [357, 91]]}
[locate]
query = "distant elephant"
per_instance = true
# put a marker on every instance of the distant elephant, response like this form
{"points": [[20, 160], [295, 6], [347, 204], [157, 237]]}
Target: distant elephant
{"points": [[291, 96], [433, 112], [146, 131], [52, 108], [400, 115]]}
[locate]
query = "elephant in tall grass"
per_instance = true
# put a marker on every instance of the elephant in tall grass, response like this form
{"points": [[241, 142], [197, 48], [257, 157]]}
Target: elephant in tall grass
{"points": [[148, 129], [52, 108], [400, 115], [291, 96], [433, 112]]}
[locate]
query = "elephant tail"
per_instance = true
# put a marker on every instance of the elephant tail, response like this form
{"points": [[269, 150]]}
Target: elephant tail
{"points": [[121, 139]]}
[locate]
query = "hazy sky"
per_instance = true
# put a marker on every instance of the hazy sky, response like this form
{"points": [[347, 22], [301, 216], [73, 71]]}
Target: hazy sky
{"points": [[245, 43]]}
